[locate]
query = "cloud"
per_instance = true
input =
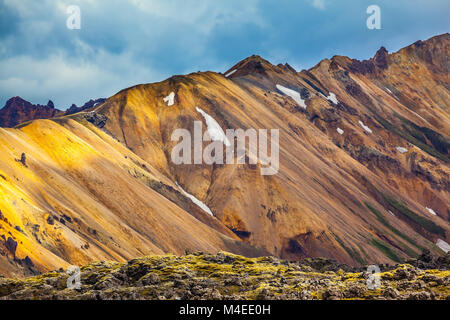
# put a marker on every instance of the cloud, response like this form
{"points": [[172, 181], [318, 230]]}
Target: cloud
{"points": [[66, 80], [122, 43], [203, 14], [319, 4]]}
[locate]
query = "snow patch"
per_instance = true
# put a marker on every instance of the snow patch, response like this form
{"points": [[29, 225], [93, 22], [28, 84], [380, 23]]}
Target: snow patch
{"points": [[170, 99], [200, 204], [420, 116], [431, 211], [230, 73], [215, 131], [340, 131], [391, 212], [332, 98], [293, 94], [402, 150], [443, 245], [366, 128], [389, 91]]}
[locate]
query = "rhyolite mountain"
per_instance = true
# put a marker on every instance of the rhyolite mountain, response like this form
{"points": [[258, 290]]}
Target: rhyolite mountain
{"points": [[363, 176], [18, 110]]}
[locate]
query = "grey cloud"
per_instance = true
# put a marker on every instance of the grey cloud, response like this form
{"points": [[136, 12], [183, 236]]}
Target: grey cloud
{"points": [[122, 43]]}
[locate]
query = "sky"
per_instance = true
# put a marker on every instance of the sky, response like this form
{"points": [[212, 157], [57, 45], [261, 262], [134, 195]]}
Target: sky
{"points": [[128, 42]]}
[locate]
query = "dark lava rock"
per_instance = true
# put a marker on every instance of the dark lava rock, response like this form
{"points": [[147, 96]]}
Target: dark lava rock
{"points": [[11, 245], [96, 119]]}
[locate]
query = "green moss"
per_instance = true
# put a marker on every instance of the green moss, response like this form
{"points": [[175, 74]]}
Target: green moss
{"points": [[9, 286], [439, 273], [416, 136], [380, 218], [321, 184], [410, 215], [351, 252], [424, 134], [377, 214], [383, 247], [259, 278], [23, 124], [352, 277], [364, 253], [122, 105], [423, 222]]}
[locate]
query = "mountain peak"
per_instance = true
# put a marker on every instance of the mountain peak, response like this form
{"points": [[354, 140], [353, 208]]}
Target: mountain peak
{"points": [[256, 57], [287, 67], [381, 58], [13, 100], [18, 110], [381, 51], [50, 104], [253, 64], [257, 65]]}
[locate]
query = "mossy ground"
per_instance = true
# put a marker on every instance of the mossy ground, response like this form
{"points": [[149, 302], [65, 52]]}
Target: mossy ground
{"points": [[228, 276]]}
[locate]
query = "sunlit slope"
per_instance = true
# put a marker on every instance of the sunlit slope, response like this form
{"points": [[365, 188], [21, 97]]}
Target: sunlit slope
{"points": [[317, 205], [80, 196]]}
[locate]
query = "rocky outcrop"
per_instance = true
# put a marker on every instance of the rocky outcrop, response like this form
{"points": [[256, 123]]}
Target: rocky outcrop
{"points": [[18, 110], [96, 119], [381, 58], [88, 105], [227, 276], [11, 245]]}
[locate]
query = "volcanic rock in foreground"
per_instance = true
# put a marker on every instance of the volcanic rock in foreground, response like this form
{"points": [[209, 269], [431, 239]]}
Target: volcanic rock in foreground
{"points": [[229, 276]]}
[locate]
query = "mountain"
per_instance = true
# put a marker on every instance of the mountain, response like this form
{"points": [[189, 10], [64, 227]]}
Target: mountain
{"points": [[18, 110], [363, 175], [90, 104]]}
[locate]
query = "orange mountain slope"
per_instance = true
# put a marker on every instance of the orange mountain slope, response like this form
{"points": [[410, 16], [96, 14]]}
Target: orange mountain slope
{"points": [[363, 174]]}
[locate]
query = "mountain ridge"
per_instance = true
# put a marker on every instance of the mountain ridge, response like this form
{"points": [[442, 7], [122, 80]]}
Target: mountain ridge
{"points": [[346, 188], [17, 111]]}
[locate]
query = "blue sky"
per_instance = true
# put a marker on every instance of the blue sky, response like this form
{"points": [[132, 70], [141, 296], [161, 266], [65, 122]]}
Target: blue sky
{"points": [[123, 43]]}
